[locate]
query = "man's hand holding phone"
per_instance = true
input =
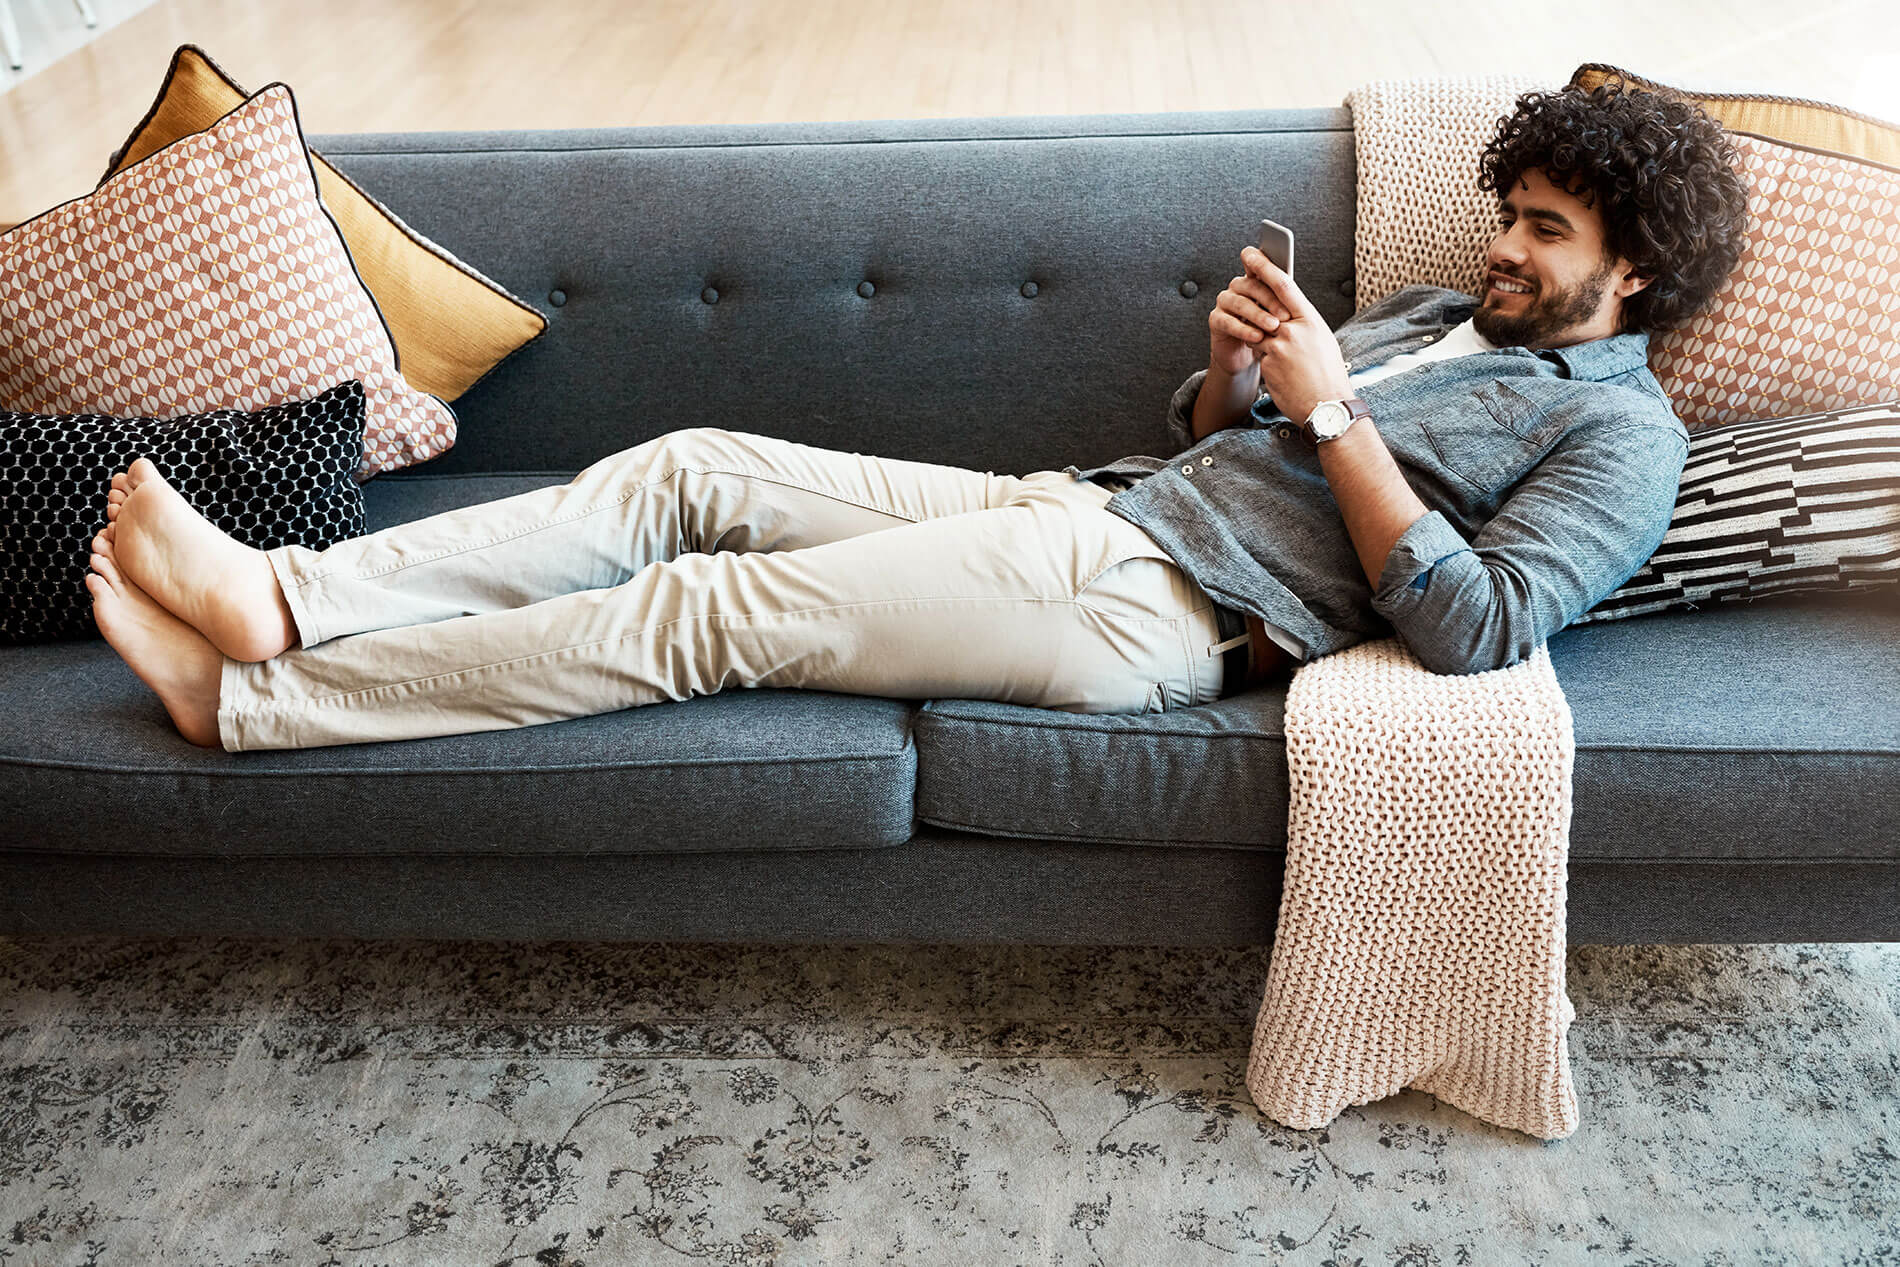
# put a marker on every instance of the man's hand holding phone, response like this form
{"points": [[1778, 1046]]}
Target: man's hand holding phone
{"points": [[1264, 332], [1244, 316], [1263, 317]]}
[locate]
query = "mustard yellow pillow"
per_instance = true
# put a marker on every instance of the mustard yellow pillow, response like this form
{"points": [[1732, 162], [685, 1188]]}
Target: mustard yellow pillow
{"points": [[450, 324], [1793, 120]]}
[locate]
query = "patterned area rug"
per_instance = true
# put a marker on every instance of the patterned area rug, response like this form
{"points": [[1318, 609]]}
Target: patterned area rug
{"points": [[220, 1102]]}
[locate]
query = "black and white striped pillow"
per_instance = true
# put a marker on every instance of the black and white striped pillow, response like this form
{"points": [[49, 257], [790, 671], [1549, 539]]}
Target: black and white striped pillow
{"points": [[1776, 507]]}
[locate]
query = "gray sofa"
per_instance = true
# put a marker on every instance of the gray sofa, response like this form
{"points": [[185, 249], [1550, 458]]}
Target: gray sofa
{"points": [[1007, 294]]}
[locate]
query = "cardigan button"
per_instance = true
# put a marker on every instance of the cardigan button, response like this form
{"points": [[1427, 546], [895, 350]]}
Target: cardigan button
{"points": [[1029, 290], [866, 289], [1188, 469], [1189, 290], [709, 295]]}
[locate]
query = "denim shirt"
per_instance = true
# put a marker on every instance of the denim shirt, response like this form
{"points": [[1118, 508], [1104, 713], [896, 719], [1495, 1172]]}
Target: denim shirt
{"points": [[1549, 477]]}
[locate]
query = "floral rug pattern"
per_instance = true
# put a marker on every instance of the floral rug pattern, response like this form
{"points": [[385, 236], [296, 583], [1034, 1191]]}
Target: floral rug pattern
{"points": [[221, 1102]]}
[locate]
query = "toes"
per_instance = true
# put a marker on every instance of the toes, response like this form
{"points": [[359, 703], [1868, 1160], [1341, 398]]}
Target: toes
{"points": [[139, 472], [107, 571], [117, 496], [112, 511], [96, 586], [119, 485]]}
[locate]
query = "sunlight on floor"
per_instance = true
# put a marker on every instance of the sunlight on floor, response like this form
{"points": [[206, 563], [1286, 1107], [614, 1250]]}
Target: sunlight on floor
{"points": [[47, 30]]}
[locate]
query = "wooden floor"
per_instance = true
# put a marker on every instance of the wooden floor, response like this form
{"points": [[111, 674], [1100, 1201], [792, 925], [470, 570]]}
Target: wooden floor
{"points": [[407, 65]]}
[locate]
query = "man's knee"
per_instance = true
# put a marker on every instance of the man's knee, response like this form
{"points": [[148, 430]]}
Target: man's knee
{"points": [[652, 459], [692, 445]]}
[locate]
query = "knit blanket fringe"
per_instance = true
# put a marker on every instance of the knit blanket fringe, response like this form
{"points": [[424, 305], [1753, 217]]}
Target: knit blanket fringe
{"points": [[1421, 930]]}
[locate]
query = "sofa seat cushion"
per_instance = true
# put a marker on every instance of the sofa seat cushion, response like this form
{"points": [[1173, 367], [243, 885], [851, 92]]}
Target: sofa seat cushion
{"points": [[90, 763], [1760, 731]]}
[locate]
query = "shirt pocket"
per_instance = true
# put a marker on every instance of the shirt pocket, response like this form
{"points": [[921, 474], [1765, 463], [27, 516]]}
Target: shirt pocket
{"points": [[1493, 437]]}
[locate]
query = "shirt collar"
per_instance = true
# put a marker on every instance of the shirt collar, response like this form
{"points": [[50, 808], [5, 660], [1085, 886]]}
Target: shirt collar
{"points": [[1591, 362], [1602, 358]]}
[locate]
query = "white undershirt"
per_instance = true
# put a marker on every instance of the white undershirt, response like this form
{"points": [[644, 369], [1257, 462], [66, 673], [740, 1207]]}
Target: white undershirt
{"points": [[1460, 341]]}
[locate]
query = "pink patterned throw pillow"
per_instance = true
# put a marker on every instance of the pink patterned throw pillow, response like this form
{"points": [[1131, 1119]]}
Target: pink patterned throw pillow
{"points": [[206, 276], [1808, 319]]}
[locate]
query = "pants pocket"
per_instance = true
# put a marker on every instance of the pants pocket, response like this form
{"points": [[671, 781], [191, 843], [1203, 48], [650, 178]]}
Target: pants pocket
{"points": [[1157, 697]]}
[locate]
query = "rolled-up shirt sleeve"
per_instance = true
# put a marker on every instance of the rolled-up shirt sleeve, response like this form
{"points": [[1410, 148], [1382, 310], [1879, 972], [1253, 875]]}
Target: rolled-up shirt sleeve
{"points": [[1580, 524], [1181, 413]]}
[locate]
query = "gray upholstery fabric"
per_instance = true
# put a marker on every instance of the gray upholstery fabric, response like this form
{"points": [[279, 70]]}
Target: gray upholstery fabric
{"points": [[947, 220], [942, 886], [93, 766], [89, 763], [1682, 753], [402, 498]]}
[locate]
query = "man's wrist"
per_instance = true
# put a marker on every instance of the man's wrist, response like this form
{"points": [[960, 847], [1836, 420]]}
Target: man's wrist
{"points": [[1354, 410], [1224, 399]]}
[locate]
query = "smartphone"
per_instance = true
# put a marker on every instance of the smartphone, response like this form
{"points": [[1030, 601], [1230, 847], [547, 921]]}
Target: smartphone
{"points": [[1276, 243]]}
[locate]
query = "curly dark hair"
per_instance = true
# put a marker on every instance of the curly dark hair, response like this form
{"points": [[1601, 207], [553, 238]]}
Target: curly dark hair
{"points": [[1663, 173]]}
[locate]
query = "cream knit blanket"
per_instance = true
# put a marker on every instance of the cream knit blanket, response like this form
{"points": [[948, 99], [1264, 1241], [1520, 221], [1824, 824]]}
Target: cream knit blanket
{"points": [[1421, 935]]}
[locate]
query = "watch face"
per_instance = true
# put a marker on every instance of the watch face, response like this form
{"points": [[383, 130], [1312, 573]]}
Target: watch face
{"points": [[1330, 419]]}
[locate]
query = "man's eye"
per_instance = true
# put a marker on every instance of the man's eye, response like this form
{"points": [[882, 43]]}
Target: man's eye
{"points": [[1544, 231]]}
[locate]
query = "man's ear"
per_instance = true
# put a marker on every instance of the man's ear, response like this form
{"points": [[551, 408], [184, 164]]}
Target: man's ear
{"points": [[1629, 281]]}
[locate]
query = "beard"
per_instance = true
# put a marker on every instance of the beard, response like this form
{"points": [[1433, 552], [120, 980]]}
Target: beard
{"points": [[1546, 316]]}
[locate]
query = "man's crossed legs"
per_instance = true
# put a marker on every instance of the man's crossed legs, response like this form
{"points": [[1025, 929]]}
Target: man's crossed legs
{"points": [[699, 560]]}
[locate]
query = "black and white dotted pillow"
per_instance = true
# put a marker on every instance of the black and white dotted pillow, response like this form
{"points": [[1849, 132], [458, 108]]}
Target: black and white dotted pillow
{"points": [[1776, 507], [280, 476]]}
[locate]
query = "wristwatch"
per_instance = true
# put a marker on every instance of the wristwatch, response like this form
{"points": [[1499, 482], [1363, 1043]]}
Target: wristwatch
{"points": [[1330, 418]]}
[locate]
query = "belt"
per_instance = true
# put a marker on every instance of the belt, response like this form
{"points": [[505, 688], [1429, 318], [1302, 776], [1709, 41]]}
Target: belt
{"points": [[1247, 663], [1239, 658]]}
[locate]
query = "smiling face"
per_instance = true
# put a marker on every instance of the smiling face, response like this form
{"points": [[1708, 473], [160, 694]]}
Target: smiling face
{"points": [[1546, 281]]}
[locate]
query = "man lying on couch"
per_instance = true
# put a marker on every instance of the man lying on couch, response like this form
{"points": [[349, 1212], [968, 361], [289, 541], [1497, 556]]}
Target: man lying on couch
{"points": [[1470, 472]]}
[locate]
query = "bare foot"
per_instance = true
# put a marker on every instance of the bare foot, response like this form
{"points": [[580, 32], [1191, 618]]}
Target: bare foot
{"points": [[222, 588], [171, 657]]}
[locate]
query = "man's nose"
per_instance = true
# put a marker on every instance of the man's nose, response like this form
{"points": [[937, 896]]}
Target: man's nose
{"points": [[1505, 260], [1507, 249]]}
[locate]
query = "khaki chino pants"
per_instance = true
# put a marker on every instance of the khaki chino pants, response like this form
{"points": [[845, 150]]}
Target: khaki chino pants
{"points": [[706, 559]]}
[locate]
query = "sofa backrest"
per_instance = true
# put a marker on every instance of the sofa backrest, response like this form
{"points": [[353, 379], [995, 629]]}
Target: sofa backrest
{"points": [[1008, 294]]}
